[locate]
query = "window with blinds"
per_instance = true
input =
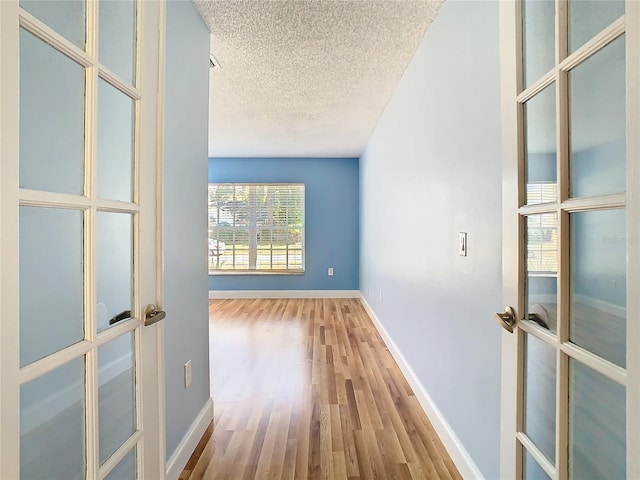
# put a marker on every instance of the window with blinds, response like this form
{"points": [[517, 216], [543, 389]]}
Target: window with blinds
{"points": [[541, 193], [256, 228], [542, 231]]}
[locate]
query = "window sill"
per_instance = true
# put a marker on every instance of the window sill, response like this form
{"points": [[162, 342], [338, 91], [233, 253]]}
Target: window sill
{"points": [[259, 273], [542, 274]]}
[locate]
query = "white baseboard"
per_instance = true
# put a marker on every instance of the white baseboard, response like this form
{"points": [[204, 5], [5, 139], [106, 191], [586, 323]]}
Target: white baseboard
{"points": [[224, 294], [461, 458], [601, 305], [49, 406], [183, 452]]}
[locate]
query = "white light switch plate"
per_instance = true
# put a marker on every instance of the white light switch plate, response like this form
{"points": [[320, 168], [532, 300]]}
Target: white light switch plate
{"points": [[462, 244], [187, 374]]}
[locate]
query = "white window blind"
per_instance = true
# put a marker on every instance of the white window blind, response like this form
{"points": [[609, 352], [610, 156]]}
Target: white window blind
{"points": [[256, 228], [542, 231], [541, 193]]}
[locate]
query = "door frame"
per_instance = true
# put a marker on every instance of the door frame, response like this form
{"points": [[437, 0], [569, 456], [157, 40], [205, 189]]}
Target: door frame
{"points": [[153, 419], [513, 230], [9, 315], [149, 353], [512, 178]]}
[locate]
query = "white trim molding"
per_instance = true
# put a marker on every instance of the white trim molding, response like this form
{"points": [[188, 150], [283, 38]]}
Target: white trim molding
{"points": [[186, 447], [226, 294], [461, 458]]}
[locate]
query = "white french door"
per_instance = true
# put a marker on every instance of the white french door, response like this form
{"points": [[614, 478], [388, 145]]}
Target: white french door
{"points": [[81, 374], [571, 225]]}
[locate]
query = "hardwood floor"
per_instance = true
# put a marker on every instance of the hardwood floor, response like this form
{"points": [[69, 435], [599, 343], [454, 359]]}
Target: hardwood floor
{"points": [[306, 389]]}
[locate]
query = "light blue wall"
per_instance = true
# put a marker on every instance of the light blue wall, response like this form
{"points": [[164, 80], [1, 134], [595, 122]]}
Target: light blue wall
{"points": [[600, 170], [432, 169], [51, 295], [185, 217], [331, 218], [541, 167], [599, 256], [51, 118]]}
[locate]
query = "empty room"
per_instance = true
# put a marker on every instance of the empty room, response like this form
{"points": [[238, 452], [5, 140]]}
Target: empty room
{"points": [[319, 239]]}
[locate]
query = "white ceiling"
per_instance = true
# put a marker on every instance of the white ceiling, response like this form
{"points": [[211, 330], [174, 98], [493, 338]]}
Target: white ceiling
{"points": [[306, 78]]}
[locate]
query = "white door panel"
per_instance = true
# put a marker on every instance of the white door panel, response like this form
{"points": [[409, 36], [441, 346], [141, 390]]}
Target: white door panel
{"points": [[81, 373], [570, 372]]}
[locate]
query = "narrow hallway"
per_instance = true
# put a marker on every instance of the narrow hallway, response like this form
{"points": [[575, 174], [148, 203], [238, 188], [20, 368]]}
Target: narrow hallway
{"points": [[305, 388]]}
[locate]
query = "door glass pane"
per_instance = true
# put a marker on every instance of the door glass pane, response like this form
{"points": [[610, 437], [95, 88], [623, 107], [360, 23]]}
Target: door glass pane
{"points": [[117, 37], [540, 147], [538, 40], [533, 471], [588, 18], [116, 394], [66, 17], [542, 269], [126, 469], [115, 143], [52, 424], [597, 430], [540, 395], [114, 268], [597, 122], [51, 118], [51, 281], [598, 283]]}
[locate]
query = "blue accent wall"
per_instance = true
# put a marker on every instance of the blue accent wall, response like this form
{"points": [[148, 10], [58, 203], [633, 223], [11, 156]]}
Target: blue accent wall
{"points": [[331, 219]]}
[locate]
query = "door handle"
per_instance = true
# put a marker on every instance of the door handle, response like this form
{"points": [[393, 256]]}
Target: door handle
{"points": [[538, 314], [119, 317], [153, 315], [507, 319]]}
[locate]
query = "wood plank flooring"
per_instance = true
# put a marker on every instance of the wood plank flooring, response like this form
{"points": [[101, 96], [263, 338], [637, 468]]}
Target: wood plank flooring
{"points": [[306, 389]]}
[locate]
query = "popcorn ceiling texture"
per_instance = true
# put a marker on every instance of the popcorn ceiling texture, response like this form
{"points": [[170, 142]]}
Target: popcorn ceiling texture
{"points": [[306, 78]]}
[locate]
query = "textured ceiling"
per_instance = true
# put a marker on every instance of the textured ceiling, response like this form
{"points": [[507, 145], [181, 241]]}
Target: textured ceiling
{"points": [[306, 78]]}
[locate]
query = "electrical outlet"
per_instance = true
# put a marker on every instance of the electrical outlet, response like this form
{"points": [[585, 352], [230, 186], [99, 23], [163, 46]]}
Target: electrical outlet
{"points": [[380, 296], [187, 374], [330, 271]]}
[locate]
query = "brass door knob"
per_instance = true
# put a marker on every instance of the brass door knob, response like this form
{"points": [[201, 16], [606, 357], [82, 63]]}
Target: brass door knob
{"points": [[507, 319], [153, 315]]}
